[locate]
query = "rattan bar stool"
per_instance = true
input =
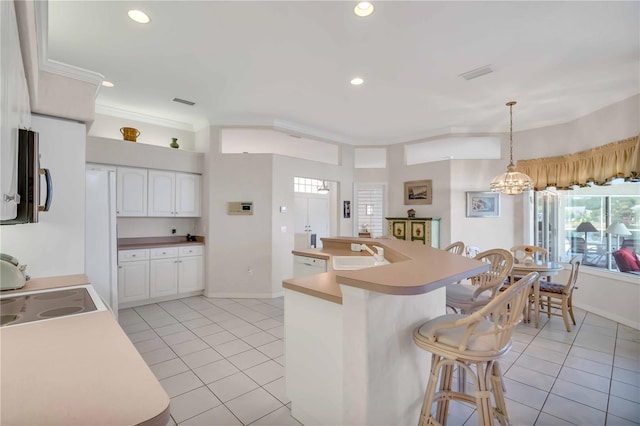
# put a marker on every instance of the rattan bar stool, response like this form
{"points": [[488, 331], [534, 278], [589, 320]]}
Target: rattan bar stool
{"points": [[479, 339]]}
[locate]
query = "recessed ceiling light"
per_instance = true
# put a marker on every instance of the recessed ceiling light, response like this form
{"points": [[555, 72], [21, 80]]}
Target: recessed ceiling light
{"points": [[363, 8], [138, 16], [106, 83], [357, 81]]}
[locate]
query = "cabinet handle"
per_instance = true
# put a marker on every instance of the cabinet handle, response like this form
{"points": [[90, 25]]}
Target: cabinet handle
{"points": [[133, 255]]}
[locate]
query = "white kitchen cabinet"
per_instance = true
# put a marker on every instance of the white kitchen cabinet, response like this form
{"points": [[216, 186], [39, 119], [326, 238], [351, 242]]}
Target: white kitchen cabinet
{"points": [[163, 277], [190, 274], [304, 266], [133, 275], [188, 194], [131, 191], [174, 194]]}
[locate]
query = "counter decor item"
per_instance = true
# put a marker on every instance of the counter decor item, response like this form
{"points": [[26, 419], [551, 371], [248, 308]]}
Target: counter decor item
{"points": [[174, 143], [417, 192], [411, 213], [129, 133]]}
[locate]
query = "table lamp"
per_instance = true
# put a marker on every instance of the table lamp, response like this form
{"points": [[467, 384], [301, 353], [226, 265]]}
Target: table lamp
{"points": [[618, 229], [586, 227]]}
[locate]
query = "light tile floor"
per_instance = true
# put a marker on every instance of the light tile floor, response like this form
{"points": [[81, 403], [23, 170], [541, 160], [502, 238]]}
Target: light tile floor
{"points": [[221, 361]]}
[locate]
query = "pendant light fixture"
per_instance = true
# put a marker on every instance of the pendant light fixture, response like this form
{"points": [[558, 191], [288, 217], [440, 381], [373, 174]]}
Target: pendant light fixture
{"points": [[512, 182], [324, 188]]}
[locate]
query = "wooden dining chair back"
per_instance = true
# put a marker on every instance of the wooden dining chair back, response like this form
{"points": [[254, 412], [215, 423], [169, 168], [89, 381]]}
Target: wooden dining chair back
{"points": [[529, 254], [464, 299], [455, 248], [559, 296]]}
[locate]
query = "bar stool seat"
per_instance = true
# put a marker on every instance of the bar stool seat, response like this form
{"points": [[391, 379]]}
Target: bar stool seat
{"points": [[479, 340]]}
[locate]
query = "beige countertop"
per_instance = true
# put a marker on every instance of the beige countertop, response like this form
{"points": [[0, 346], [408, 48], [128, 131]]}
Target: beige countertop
{"points": [[155, 242], [76, 370], [414, 269]]}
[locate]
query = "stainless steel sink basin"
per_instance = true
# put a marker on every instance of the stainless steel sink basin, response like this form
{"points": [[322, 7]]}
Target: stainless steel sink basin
{"points": [[350, 263], [46, 305]]}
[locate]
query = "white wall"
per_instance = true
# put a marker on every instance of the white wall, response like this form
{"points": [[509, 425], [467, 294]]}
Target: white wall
{"points": [[55, 245], [139, 227], [107, 126]]}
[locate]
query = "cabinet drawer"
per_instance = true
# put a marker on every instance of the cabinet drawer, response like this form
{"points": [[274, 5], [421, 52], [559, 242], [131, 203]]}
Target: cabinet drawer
{"points": [[191, 250], [163, 252], [131, 255]]}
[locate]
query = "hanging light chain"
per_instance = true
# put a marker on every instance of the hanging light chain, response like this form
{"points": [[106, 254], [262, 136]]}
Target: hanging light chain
{"points": [[510, 105]]}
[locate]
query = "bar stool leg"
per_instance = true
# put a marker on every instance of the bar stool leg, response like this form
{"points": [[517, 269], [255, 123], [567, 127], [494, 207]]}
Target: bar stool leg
{"points": [[483, 396], [498, 387], [445, 389], [429, 394]]}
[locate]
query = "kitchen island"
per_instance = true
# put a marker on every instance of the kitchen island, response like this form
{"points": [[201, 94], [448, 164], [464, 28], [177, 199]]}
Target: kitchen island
{"points": [[350, 358], [75, 370]]}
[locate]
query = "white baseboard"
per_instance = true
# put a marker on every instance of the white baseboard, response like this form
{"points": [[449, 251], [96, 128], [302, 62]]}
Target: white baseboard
{"points": [[609, 315], [244, 295]]}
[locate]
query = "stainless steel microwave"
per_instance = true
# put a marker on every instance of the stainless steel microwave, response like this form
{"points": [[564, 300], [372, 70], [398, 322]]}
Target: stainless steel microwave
{"points": [[26, 195]]}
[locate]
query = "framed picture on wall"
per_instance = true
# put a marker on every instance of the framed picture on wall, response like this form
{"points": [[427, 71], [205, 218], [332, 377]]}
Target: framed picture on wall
{"points": [[417, 192], [483, 204]]}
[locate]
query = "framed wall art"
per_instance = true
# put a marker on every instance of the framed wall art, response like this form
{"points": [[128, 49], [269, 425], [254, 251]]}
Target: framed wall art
{"points": [[483, 204], [417, 192]]}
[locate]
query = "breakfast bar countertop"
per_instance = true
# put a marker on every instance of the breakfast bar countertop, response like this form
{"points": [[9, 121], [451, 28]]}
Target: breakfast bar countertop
{"points": [[414, 269], [76, 370]]}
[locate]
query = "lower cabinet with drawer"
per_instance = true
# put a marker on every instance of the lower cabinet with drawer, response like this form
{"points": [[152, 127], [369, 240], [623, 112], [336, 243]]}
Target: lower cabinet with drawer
{"points": [[304, 266], [162, 273]]}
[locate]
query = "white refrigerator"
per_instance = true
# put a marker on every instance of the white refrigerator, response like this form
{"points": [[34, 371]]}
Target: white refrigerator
{"points": [[101, 245]]}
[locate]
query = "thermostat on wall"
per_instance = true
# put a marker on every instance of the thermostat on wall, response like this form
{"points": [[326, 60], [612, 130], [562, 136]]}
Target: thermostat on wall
{"points": [[240, 207]]}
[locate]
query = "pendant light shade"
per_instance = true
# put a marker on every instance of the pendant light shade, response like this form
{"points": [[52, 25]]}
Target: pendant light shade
{"points": [[512, 182], [324, 188]]}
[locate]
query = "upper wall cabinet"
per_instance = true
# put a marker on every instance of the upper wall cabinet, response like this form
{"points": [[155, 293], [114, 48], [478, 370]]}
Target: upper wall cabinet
{"points": [[131, 192], [174, 194]]}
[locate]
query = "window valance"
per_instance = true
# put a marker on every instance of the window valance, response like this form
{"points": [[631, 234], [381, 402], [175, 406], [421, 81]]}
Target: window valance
{"points": [[598, 165]]}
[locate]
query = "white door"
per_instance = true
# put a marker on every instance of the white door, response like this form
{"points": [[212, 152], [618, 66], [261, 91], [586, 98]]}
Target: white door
{"points": [[311, 216], [162, 190]]}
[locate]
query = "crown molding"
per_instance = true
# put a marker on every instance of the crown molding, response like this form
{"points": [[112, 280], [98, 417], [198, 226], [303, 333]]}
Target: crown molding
{"points": [[131, 115], [45, 64]]}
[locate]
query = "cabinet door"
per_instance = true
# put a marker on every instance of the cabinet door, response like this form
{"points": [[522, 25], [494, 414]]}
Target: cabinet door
{"points": [[131, 192], [163, 277], [162, 193], [190, 273], [133, 281], [188, 194]]}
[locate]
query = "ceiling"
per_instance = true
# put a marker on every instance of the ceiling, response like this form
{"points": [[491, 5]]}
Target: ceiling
{"points": [[288, 64]]}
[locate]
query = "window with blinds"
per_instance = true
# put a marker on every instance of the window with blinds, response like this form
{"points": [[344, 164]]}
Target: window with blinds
{"points": [[369, 201]]}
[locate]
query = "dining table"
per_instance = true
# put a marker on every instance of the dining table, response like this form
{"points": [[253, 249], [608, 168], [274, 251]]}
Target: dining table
{"points": [[544, 269]]}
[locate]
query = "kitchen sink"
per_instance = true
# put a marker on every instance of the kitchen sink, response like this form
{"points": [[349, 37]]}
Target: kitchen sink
{"points": [[350, 263], [46, 305]]}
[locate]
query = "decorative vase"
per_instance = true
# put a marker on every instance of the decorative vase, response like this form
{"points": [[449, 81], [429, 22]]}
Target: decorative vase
{"points": [[174, 143]]}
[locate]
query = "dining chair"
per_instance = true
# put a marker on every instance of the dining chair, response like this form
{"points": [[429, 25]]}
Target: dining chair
{"points": [[474, 343], [466, 298], [455, 248], [554, 295], [472, 251]]}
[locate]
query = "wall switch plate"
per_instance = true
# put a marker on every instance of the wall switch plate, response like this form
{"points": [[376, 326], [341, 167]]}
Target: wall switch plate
{"points": [[283, 229], [283, 209]]}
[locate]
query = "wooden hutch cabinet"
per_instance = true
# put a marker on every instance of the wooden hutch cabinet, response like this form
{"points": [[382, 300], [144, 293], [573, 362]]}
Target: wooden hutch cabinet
{"points": [[425, 230]]}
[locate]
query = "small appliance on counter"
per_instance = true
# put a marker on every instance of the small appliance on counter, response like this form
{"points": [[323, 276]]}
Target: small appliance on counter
{"points": [[191, 238], [12, 275]]}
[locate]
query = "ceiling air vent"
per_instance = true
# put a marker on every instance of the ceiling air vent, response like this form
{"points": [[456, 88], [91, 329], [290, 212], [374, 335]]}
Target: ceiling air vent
{"points": [[182, 101], [478, 72]]}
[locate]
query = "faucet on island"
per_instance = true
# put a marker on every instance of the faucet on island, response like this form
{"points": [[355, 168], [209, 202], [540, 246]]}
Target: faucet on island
{"points": [[379, 257]]}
